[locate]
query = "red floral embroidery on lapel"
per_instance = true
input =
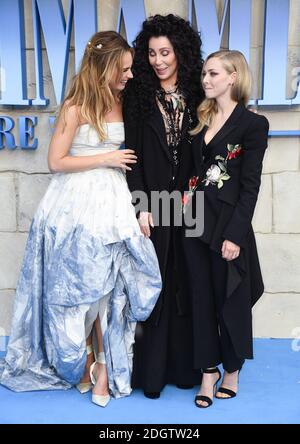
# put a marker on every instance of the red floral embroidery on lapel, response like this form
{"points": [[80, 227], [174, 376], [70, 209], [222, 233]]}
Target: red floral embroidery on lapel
{"points": [[216, 174]]}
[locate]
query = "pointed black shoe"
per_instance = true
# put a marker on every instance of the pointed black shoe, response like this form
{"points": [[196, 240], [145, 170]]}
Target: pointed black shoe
{"points": [[152, 395]]}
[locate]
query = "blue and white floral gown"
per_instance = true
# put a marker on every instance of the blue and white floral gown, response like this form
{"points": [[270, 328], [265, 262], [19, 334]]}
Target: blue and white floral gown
{"points": [[85, 255]]}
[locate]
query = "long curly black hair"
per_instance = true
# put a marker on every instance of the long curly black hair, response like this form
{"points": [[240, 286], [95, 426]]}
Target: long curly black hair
{"points": [[139, 95]]}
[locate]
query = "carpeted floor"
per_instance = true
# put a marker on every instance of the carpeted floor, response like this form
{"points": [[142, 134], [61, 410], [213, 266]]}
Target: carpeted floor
{"points": [[269, 394]]}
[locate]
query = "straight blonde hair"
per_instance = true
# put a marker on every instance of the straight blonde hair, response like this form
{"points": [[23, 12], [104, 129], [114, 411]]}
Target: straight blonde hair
{"points": [[90, 89], [233, 61]]}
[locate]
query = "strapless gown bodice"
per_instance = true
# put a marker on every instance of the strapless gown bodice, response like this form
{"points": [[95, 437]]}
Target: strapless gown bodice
{"points": [[87, 142]]}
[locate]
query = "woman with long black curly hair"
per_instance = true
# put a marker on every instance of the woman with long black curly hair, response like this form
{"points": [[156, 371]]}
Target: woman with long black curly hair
{"points": [[159, 111]]}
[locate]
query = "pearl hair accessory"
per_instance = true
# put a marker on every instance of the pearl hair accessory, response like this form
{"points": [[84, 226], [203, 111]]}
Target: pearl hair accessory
{"points": [[99, 46]]}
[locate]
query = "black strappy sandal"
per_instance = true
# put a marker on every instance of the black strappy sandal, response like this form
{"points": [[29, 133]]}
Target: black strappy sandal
{"points": [[231, 394], [206, 398]]}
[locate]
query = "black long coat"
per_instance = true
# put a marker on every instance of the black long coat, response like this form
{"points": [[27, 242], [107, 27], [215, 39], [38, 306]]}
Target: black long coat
{"points": [[235, 203], [154, 172]]}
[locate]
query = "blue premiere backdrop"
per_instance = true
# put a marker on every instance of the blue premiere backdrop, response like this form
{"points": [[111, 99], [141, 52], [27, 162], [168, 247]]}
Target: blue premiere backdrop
{"points": [[48, 18]]}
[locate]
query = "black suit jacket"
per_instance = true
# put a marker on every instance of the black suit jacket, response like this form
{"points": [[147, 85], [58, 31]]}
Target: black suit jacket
{"points": [[154, 172], [228, 213], [240, 192]]}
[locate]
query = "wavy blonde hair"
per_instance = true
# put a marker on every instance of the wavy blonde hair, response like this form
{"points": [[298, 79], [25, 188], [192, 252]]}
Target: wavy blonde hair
{"points": [[233, 61], [90, 89]]}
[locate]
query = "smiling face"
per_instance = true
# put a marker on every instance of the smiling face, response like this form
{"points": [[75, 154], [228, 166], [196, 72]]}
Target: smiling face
{"points": [[163, 60], [216, 80], [119, 79]]}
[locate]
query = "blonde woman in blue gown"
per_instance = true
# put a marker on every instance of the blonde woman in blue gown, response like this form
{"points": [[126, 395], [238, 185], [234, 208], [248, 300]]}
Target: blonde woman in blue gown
{"points": [[88, 272]]}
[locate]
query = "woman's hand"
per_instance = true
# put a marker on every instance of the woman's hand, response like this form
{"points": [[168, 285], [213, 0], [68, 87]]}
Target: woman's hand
{"points": [[230, 250], [120, 159], [59, 159], [145, 221]]}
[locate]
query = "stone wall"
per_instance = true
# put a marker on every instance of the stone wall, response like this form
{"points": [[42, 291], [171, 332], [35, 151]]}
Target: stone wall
{"points": [[24, 177]]}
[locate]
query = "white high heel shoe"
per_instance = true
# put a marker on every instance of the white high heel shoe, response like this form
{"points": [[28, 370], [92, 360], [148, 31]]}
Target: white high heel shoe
{"points": [[101, 400], [84, 387]]}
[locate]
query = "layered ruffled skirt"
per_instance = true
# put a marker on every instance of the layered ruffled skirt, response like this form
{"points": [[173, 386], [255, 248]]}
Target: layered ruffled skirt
{"points": [[85, 256]]}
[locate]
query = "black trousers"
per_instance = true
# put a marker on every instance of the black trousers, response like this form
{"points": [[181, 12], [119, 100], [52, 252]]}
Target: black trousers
{"points": [[207, 278], [163, 353]]}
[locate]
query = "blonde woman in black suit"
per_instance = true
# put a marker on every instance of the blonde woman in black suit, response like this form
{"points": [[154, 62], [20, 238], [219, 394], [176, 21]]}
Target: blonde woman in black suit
{"points": [[223, 268]]}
